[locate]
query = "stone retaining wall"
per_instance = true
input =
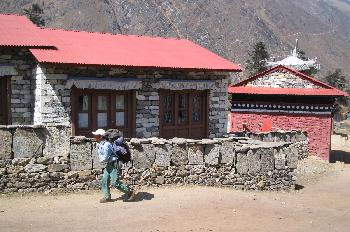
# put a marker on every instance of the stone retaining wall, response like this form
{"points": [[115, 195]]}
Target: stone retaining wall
{"points": [[36, 158], [298, 138]]}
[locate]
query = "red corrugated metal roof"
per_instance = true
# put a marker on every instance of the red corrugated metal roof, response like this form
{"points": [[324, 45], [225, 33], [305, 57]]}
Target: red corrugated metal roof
{"points": [[324, 90], [16, 30], [79, 47], [285, 91]]}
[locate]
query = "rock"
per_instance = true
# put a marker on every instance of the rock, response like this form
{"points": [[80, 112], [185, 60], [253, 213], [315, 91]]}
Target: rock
{"points": [[211, 154], [21, 185], [47, 192], [242, 163], [20, 161], [5, 144], [34, 168], [280, 159], [267, 160], [57, 167], [72, 175], [261, 184], [179, 154], [57, 175], [292, 158], [143, 155], [2, 171], [178, 140], [80, 156], [160, 180], [14, 169], [163, 153], [195, 154], [253, 159], [96, 164], [44, 160], [28, 142], [57, 141], [156, 140], [227, 153]]}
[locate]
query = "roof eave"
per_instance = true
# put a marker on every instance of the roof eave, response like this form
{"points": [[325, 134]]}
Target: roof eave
{"points": [[142, 67]]}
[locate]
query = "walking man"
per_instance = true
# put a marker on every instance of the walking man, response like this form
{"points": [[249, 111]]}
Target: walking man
{"points": [[110, 173]]}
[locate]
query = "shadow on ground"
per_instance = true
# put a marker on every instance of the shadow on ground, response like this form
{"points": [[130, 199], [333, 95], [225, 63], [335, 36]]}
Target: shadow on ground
{"points": [[139, 196], [342, 156]]}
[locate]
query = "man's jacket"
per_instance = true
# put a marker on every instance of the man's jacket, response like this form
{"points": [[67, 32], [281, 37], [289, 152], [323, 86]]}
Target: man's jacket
{"points": [[105, 152]]}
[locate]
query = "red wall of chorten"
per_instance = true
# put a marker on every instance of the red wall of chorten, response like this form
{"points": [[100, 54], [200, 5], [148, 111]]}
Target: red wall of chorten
{"points": [[318, 127]]}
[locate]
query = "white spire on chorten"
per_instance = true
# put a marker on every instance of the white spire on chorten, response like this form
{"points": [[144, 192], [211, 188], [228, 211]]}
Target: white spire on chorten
{"points": [[293, 61]]}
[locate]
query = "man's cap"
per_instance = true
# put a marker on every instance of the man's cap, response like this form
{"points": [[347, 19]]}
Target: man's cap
{"points": [[101, 132]]}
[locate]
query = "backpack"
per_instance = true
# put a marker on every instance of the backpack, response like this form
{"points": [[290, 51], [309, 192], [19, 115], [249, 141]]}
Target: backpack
{"points": [[124, 158]]}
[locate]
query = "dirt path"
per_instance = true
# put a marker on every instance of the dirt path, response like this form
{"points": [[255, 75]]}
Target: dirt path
{"points": [[323, 205]]}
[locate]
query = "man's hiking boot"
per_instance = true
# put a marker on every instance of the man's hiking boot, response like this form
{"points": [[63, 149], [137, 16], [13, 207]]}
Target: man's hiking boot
{"points": [[104, 200], [130, 196]]}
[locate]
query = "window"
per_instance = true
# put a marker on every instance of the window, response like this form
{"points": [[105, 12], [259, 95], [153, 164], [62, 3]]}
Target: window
{"points": [[93, 109], [4, 100], [183, 114]]}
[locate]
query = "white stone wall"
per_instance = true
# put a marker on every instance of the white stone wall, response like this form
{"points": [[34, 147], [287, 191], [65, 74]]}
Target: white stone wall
{"points": [[52, 94], [218, 108], [52, 99]]}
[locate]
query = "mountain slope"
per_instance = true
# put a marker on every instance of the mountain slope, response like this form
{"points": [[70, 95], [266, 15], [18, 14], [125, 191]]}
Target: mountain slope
{"points": [[227, 27]]}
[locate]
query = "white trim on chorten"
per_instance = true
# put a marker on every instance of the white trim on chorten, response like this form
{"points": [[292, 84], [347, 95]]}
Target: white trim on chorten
{"points": [[293, 61]]}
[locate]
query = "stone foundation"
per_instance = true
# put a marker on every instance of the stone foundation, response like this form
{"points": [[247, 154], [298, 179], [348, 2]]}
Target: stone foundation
{"points": [[41, 158]]}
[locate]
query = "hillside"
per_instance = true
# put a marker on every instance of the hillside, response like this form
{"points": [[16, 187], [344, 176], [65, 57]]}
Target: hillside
{"points": [[227, 27]]}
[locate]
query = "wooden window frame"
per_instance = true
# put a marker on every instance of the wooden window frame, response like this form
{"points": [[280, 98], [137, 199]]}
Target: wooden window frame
{"points": [[5, 94], [129, 127], [190, 125]]}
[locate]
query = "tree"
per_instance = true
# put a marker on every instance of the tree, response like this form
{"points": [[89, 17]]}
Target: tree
{"points": [[35, 14], [311, 71], [257, 61], [336, 79]]}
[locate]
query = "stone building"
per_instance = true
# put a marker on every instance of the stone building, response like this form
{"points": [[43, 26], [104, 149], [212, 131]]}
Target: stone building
{"points": [[145, 86], [285, 99]]}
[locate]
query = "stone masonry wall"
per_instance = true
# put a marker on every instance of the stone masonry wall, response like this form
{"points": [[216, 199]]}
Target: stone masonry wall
{"points": [[55, 101], [298, 138], [282, 79], [22, 85], [37, 158]]}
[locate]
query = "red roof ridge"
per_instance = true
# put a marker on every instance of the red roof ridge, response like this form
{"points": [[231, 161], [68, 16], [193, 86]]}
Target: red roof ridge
{"points": [[14, 14], [116, 34], [241, 88]]}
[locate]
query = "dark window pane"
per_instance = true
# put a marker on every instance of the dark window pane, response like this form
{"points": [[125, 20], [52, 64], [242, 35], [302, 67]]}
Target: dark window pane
{"points": [[83, 102], [119, 102], [196, 115], [182, 101], [196, 101], [168, 116], [182, 116], [102, 102], [168, 102]]}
